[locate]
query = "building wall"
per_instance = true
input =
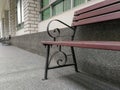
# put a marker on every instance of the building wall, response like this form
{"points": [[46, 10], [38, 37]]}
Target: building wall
{"points": [[31, 18], [66, 17], [32, 22]]}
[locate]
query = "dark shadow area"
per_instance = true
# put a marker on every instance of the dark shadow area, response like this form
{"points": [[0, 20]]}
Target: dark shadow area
{"points": [[90, 82]]}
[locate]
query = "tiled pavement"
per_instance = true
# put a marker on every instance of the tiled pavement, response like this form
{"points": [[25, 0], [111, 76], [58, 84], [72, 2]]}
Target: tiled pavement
{"points": [[22, 70]]}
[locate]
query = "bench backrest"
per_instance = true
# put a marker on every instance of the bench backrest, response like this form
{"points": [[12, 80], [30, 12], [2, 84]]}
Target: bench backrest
{"points": [[103, 11]]}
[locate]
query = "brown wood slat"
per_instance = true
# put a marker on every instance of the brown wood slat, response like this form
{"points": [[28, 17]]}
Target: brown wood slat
{"points": [[106, 45], [111, 16], [100, 11], [98, 5]]}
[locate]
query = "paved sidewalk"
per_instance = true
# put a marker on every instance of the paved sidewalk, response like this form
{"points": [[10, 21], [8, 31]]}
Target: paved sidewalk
{"points": [[22, 70]]}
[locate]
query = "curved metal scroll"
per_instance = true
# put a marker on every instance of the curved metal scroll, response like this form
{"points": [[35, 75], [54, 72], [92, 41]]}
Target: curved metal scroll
{"points": [[57, 30], [62, 61]]}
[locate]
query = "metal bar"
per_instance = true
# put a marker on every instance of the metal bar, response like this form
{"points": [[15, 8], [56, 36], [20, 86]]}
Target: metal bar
{"points": [[46, 64], [74, 59], [60, 66]]}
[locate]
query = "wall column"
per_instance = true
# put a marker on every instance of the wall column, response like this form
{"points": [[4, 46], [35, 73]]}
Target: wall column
{"points": [[2, 25], [6, 23], [31, 15], [12, 17]]}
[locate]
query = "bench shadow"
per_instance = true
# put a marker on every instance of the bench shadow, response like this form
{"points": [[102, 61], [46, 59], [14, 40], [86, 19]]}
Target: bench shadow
{"points": [[90, 82]]}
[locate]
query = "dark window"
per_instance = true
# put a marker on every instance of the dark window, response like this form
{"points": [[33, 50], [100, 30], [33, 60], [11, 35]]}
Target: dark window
{"points": [[20, 14], [51, 8]]}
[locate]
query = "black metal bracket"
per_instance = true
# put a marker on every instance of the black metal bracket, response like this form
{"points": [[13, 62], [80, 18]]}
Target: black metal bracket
{"points": [[57, 32], [61, 62]]}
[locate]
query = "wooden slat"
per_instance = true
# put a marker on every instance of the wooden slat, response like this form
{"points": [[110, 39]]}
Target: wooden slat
{"points": [[106, 45], [98, 5], [111, 16], [108, 9]]}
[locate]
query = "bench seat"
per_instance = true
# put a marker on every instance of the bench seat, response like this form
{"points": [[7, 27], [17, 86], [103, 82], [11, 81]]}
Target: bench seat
{"points": [[106, 45]]}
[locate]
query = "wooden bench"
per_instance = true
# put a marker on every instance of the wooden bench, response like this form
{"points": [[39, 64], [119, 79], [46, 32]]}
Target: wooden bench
{"points": [[100, 12]]}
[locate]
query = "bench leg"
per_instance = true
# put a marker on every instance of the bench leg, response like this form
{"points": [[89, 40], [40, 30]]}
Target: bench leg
{"points": [[46, 64], [74, 59]]}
